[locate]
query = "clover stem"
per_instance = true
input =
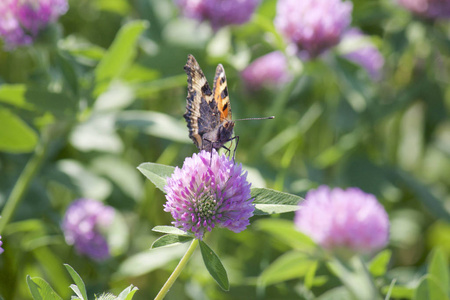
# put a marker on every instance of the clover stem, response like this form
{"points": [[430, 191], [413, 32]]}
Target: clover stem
{"points": [[22, 184], [162, 293]]}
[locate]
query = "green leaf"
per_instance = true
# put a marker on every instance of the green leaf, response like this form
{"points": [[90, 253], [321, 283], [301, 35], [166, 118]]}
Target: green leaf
{"points": [[171, 230], [439, 235], [170, 240], [77, 291], [268, 201], [269, 196], [267, 25], [41, 290], [34, 289], [429, 288], [120, 7], [338, 293], [310, 275], [334, 153], [438, 268], [145, 262], [214, 266], [119, 55], [293, 132], [68, 71], [80, 287], [121, 172], [16, 136], [433, 204], [284, 231], [421, 292], [38, 99], [97, 134], [82, 51], [128, 293], [156, 173], [149, 88], [14, 94], [399, 292], [288, 266], [155, 124], [355, 276], [117, 235], [389, 290], [51, 264], [379, 263], [59, 104]]}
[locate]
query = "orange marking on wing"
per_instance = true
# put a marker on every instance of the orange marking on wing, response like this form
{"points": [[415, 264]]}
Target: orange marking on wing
{"points": [[220, 92]]}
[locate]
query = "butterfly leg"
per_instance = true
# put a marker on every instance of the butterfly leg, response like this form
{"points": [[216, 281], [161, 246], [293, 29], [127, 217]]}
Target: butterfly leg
{"points": [[228, 150], [236, 137], [210, 148]]}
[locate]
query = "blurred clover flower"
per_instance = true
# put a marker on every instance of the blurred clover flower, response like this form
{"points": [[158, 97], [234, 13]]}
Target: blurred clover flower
{"points": [[219, 13], [313, 26], [363, 52], [433, 9], [82, 225], [340, 219], [209, 190], [270, 70], [22, 20], [1, 243]]}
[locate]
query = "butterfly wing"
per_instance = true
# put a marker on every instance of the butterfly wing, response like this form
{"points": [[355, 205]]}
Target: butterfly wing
{"points": [[224, 131], [202, 113], [220, 93]]}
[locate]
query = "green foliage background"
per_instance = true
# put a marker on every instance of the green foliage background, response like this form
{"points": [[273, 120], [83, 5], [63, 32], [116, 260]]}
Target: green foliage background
{"points": [[105, 90]]}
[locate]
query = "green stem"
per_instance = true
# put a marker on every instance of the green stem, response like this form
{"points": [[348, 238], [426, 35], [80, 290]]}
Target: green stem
{"points": [[369, 279], [356, 277], [22, 184], [162, 293]]}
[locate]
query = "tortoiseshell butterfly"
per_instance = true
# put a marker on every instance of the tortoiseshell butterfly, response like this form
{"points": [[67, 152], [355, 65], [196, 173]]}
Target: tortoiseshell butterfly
{"points": [[208, 112]]}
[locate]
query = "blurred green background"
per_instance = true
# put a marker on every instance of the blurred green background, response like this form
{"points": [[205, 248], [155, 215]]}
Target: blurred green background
{"points": [[333, 126]]}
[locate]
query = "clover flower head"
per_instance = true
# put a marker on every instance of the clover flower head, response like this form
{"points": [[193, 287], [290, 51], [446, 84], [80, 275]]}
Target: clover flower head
{"points": [[219, 13], [364, 53], [313, 26], [344, 219], [1, 243], [270, 70], [430, 9], [209, 190], [22, 20], [82, 225]]}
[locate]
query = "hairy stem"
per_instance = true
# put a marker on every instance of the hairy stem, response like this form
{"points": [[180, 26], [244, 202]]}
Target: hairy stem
{"points": [[22, 184], [162, 293]]}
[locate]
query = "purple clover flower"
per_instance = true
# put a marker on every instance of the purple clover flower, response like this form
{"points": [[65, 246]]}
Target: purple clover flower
{"points": [[219, 13], [209, 191], [269, 70], [363, 53], [22, 20], [82, 224], [313, 26], [344, 219], [432, 9], [1, 243]]}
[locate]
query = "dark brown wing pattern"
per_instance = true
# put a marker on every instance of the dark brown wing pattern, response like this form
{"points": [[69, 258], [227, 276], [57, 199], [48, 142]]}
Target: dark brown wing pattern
{"points": [[201, 114], [208, 114]]}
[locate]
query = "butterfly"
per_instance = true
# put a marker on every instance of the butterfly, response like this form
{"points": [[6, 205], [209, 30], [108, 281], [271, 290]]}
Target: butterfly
{"points": [[208, 112]]}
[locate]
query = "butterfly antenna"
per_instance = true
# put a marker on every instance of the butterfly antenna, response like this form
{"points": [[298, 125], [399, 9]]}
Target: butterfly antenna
{"points": [[251, 119]]}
